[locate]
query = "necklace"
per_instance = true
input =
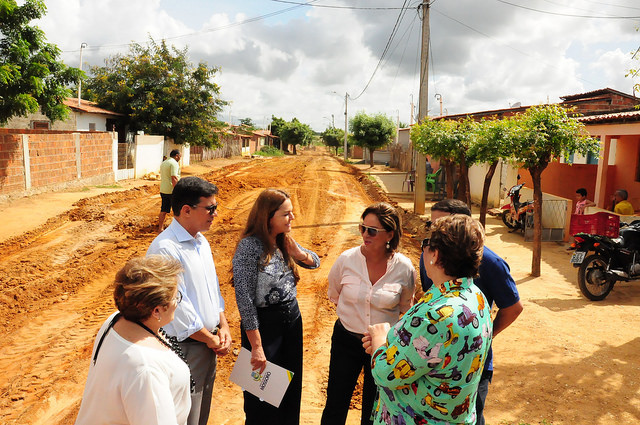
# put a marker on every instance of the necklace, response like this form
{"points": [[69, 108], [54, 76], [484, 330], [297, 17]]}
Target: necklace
{"points": [[171, 342]]}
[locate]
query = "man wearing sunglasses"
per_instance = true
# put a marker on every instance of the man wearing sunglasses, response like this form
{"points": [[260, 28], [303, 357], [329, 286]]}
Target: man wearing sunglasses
{"points": [[199, 323], [496, 284]]}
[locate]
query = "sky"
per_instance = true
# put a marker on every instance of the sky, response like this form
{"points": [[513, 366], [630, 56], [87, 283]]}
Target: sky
{"points": [[300, 58]]}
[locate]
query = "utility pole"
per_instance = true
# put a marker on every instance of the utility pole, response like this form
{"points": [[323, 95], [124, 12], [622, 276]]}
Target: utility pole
{"points": [[82, 46], [423, 103], [346, 148]]}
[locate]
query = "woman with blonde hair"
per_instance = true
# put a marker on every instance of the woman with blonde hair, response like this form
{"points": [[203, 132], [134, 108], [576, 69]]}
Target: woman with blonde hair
{"points": [[371, 283], [265, 277], [136, 375]]}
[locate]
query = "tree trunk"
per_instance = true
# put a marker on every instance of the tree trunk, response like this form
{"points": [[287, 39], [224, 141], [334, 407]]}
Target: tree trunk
{"points": [[485, 192], [450, 170], [464, 192], [536, 173], [371, 157]]}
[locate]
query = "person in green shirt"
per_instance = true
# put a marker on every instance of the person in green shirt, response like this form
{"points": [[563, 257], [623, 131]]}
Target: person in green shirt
{"points": [[169, 176], [621, 205]]}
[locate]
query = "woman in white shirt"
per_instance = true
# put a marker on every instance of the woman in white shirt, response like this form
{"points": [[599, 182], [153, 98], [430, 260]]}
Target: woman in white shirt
{"points": [[137, 375], [369, 284]]}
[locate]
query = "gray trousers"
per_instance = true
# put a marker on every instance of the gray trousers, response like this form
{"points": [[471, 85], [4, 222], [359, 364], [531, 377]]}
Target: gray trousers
{"points": [[202, 364]]}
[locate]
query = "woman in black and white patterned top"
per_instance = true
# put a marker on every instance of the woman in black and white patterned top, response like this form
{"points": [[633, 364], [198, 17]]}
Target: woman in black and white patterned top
{"points": [[265, 278]]}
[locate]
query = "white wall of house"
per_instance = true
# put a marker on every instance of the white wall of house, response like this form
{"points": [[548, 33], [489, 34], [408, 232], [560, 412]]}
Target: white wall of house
{"points": [[90, 122], [504, 177], [403, 138], [185, 152], [149, 151]]}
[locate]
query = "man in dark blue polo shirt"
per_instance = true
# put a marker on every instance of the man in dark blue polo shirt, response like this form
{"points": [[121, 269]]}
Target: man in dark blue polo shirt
{"points": [[496, 284]]}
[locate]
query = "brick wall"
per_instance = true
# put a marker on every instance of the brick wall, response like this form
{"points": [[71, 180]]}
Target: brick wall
{"points": [[53, 160], [11, 163]]}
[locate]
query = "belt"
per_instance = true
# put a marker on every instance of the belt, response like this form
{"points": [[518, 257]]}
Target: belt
{"points": [[214, 332]]}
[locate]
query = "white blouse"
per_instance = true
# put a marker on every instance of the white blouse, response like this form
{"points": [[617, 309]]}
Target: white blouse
{"points": [[134, 384], [360, 304]]}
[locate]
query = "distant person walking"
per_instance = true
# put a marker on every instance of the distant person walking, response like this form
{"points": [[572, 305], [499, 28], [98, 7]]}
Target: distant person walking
{"points": [[169, 176], [582, 203]]}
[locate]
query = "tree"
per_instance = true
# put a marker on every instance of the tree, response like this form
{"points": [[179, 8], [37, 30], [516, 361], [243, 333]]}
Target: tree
{"points": [[439, 139], [295, 133], [492, 144], [333, 137], [31, 77], [247, 122], [544, 134], [372, 132], [633, 72], [161, 92]]}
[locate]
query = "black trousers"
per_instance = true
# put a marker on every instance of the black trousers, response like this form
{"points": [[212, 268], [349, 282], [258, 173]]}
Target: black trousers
{"points": [[348, 358], [281, 333]]}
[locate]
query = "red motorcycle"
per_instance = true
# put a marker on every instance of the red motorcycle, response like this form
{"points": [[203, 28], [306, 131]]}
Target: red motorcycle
{"points": [[515, 213]]}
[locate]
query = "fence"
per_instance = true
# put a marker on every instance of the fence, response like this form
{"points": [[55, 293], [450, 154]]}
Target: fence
{"points": [[230, 147]]}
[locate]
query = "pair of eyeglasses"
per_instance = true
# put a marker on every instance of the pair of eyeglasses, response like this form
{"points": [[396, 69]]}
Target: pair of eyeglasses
{"points": [[178, 297], [210, 208], [425, 243], [371, 231]]}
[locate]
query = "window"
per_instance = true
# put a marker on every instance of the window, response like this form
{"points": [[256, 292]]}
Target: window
{"points": [[40, 125], [592, 158], [92, 126]]}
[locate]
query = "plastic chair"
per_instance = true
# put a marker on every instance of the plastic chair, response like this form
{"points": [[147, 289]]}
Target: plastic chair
{"points": [[432, 179], [409, 180]]}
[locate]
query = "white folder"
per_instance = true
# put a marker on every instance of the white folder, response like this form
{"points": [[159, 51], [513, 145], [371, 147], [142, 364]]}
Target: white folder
{"points": [[269, 386]]}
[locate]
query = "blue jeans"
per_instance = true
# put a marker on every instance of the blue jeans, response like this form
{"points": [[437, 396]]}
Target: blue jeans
{"points": [[483, 390]]}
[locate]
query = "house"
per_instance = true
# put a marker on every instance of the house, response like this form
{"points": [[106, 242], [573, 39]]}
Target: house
{"points": [[609, 115], [85, 116]]}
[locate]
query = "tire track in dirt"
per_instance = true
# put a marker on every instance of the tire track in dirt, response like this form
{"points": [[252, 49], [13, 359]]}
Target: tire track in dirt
{"points": [[55, 282]]}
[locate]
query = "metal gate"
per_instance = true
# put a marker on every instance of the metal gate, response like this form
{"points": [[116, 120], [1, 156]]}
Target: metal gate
{"points": [[554, 216]]}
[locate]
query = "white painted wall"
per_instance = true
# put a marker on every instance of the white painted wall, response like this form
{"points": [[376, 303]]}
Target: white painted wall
{"points": [[504, 177], [83, 120], [185, 152], [149, 151]]}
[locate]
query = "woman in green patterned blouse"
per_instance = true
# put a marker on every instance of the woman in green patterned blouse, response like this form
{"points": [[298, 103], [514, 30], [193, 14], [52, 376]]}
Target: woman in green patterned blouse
{"points": [[427, 367]]}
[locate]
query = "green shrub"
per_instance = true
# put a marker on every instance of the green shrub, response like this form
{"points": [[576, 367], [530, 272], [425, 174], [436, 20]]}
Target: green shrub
{"points": [[269, 151]]}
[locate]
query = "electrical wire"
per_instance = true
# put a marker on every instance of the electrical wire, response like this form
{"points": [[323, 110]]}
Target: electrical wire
{"points": [[566, 14], [386, 48], [210, 30], [338, 7]]}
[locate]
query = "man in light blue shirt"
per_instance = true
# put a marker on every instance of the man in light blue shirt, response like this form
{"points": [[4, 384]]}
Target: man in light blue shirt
{"points": [[199, 323]]}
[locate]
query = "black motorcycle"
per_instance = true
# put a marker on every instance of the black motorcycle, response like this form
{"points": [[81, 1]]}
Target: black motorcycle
{"points": [[611, 260]]}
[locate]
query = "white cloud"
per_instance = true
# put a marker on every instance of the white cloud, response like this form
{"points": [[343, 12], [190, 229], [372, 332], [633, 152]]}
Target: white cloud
{"points": [[484, 55]]}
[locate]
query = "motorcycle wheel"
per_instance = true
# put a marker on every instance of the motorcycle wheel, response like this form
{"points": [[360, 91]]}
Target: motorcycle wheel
{"points": [[592, 280], [508, 219]]}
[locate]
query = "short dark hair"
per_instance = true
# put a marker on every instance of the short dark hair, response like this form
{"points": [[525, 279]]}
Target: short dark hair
{"points": [[174, 153], [459, 240], [452, 206], [623, 193], [189, 190], [582, 191], [390, 220]]}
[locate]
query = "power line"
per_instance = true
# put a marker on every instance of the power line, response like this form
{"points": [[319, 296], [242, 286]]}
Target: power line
{"points": [[224, 27], [338, 7], [386, 49], [567, 14]]}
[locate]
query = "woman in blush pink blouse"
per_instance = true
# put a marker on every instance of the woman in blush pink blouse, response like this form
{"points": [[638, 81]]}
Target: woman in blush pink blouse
{"points": [[369, 284]]}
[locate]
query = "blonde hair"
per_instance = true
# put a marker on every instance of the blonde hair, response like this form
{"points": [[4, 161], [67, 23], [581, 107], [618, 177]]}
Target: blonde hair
{"points": [[145, 283]]}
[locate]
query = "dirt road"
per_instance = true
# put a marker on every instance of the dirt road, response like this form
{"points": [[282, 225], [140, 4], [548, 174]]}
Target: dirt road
{"points": [[565, 361]]}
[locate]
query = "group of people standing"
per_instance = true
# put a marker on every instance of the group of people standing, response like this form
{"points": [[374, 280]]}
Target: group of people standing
{"points": [[154, 361]]}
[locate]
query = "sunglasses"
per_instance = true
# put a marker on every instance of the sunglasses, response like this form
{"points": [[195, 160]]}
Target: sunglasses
{"points": [[425, 243], [178, 297], [371, 231], [210, 208]]}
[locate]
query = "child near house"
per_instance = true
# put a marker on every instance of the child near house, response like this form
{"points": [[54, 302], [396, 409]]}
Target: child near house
{"points": [[582, 202]]}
